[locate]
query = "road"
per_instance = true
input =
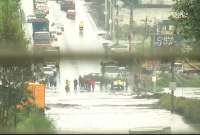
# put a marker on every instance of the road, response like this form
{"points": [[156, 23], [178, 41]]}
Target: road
{"points": [[97, 112], [72, 42], [109, 113]]}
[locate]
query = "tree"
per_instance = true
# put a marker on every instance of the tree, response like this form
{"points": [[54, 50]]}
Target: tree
{"points": [[14, 71], [187, 18], [12, 36]]}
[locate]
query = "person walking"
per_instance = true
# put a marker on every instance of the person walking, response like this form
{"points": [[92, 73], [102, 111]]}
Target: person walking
{"points": [[93, 83], [88, 85], [67, 87], [80, 80], [75, 84], [126, 84]]}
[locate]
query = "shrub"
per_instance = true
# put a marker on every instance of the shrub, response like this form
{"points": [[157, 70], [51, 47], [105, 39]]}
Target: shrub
{"points": [[189, 108], [35, 123]]}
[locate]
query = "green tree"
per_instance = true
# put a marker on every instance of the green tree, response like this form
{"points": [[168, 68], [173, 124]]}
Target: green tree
{"points": [[187, 18], [12, 36]]}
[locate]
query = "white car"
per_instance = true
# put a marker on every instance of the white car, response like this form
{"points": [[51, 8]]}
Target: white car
{"points": [[103, 35], [48, 71], [54, 35], [60, 26], [120, 49], [106, 43], [41, 1], [59, 31], [30, 18], [52, 66]]}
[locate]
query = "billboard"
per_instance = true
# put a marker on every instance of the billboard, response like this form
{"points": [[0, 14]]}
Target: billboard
{"points": [[164, 34]]}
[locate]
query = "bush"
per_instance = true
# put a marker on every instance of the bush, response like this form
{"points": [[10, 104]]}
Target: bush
{"points": [[189, 108], [35, 123]]}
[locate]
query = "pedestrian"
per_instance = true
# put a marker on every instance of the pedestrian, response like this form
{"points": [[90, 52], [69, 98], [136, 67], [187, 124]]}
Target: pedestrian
{"points": [[88, 83], [75, 84], [84, 84], [51, 81], [126, 84], [93, 83], [67, 86], [80, 80]]}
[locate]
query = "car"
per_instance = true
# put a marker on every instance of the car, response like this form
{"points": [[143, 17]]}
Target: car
{"points": [[41, 1], [106, 43], [53, 35], [71, 14], [60, 26], [59, 31], [103, 35], [49, 71], [52, 66], [39, 13], [30, 18], [57, 28], [118, 84], [59, 1], [43, 7], [120, 49]]}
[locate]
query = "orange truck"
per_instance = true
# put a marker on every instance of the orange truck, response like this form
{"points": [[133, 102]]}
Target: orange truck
{"points": [[36, 97]]}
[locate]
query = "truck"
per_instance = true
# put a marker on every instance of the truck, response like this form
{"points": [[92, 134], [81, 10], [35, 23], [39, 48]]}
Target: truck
{"points": [[67, 5], [40, 24], [41, 34], [114, 75]]}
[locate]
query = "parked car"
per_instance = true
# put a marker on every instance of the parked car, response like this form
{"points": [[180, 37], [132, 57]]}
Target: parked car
{"points": [[41, 1], [53, 35], [120, 49], [49, 71], [71, 14], [106, 43], [57, 28], [30, 18], [43, 7], [103, 35], [60, 26], [59, 31]]}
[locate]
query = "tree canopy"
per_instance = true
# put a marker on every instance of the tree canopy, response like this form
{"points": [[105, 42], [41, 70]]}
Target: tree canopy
{"points": [[12, 35], [187, 18]]}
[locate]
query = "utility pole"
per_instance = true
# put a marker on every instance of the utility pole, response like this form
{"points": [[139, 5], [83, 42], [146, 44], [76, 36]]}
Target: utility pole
{"points": [[110, 18], [130, 36], [106, 15], [117, 22], [173, 80], [145, 27], [173, 71]]}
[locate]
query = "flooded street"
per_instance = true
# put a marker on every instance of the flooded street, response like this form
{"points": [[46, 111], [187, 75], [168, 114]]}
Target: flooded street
{"points": [[109, 113], [98, 112]]}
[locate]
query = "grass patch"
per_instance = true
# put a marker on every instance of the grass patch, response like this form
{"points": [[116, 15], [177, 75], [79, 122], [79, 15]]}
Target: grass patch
{"points": [[189, 108]]}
